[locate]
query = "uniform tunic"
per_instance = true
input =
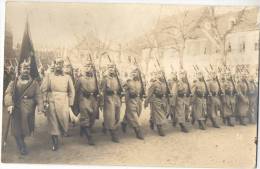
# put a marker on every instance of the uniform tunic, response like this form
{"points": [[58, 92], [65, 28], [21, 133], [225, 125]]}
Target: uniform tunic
{"points": [[252, 96], [158, 102], [199, 100], [229, 99], [86, 93], [213, 102], [59, 92], [27, 96], [180, 91], [133, 102], [242, 100], [111, 101]]}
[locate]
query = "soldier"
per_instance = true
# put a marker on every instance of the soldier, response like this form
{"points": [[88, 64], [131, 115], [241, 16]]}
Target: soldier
{"points": [[21, 101], [242, 98], [228, 100], [112, 92], [173, 83], [58, 96], [157, 99], [252, 96], [213, 102], [87, 97], [133, 100], [199, 101], [180, 91]]}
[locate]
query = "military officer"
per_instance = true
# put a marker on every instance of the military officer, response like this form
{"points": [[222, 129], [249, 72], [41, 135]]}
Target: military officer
{"points": [[228, 100], [58, 96], [173, 81], [157, 99], [21, 101], [112, 92], [199, 101], [133, 100], [180, 91], [87, 100], [213, 102], [242, 98]]}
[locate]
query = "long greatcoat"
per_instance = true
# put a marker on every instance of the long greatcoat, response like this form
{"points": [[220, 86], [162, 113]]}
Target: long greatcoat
{"points": [[229, 99], [252, 96], [213, 102], [86, 94], [27, 97], [158, 105], [198, 100], [242, 100], [180, 100], [112, 102], [133, 102], [59, 92]]}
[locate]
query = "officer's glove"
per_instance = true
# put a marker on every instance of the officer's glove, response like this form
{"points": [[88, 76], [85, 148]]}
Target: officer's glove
{"points": [[10, 109]]}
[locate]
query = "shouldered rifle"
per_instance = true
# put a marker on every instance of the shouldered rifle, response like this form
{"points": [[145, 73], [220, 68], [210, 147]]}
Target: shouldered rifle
{"points": [[72, 71], [117, 76], [204, 81], [95, 74], [140, 77], [220, 89], [168, 91]]}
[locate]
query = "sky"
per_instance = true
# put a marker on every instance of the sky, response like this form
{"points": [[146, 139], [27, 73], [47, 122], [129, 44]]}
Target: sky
{"points": [[62, 24]]}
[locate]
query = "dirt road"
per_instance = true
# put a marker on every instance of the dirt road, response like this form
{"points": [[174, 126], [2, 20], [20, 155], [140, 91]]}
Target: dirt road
{"points": [[225, 147]]}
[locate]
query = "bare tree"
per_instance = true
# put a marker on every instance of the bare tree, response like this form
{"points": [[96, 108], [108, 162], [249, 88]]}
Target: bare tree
{"points": [[212, 27]]}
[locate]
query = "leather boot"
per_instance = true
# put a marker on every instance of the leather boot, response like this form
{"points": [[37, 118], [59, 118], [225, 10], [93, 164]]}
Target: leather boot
{"points": [[183, 128], [201, 125], [20, 145], [242, 121], [160, 130], [123, 127], [114, 136], [151, 125], [55, 142], [88, 135], [214, 123], [229, 123], [24, 150], [139, 133], [104, 130]]}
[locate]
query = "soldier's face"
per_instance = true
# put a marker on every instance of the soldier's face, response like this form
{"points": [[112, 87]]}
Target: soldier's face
{"points": [[25, 71], [59, 66], [111, 70], [88, 68]]}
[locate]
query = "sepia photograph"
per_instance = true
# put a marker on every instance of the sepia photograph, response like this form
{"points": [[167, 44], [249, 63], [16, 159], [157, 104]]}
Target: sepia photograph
{"points": [[130, 84]]}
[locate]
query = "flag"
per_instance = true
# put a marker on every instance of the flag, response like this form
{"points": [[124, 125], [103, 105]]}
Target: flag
{"points": [[27, 52]]}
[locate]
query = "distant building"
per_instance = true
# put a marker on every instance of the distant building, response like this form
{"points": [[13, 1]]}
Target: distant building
{"points": [[9, 54]]}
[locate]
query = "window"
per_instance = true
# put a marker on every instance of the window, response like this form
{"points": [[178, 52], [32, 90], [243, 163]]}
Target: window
{"points": [[243, 47], [229, 47]]}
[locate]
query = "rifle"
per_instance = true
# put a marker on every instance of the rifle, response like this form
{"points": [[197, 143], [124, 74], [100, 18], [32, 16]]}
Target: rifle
{"points": [[117, 73], [204, 81], [140, 77], [168, 91], [220, 89], [72, 71], [10, 114]]}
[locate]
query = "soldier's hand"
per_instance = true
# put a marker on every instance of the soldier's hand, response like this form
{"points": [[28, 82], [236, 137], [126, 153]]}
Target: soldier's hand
{"points": [[10, 109], [45, 107]]}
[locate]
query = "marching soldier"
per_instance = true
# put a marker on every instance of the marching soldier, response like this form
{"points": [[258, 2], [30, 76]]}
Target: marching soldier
{"points": [[27, 96], [133, 100], [242, 99], [252, 96], [156, 97], [213, 102], [199, 101], [58, 96], [87, 100], [180, 91], [228, 100], [110, 87], [173, 82]]}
